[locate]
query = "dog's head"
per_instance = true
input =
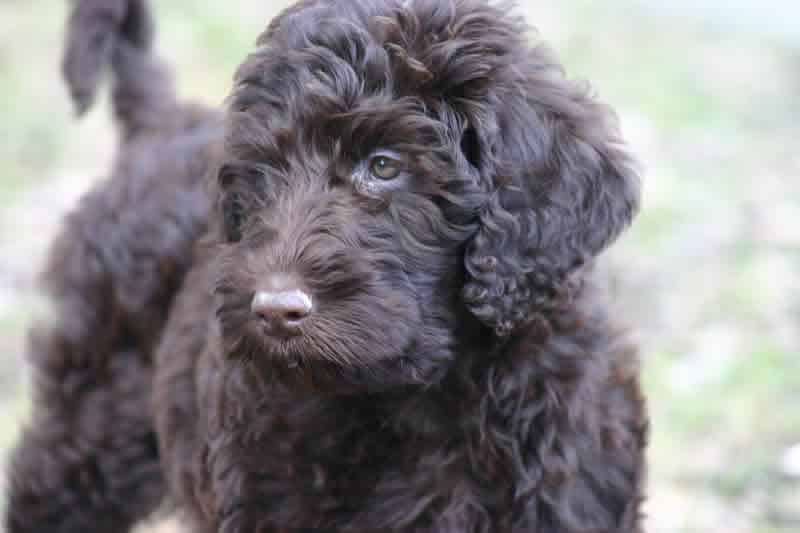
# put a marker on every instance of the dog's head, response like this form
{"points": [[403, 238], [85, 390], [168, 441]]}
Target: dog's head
{"points": [[399, 175]]}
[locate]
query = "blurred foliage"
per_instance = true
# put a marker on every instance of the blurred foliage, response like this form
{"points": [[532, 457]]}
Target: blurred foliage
{"points": [[709, 273]]}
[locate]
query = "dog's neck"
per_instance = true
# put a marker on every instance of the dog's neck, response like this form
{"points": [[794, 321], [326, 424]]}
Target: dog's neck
{"points": [[482, 363]]}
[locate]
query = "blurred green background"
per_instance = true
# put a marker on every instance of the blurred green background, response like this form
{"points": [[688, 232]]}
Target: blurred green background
{"points": [[709, 96]]}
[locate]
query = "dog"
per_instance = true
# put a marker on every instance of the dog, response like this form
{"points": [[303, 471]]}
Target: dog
{"points": [[360, 298]]}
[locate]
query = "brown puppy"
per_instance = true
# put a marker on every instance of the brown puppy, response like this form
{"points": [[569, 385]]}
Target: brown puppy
{"points": [[388, 319]]}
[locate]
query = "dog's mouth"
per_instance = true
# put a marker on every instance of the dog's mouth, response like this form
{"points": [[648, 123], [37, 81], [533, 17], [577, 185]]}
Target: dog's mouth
{"points": [[296, 362]]}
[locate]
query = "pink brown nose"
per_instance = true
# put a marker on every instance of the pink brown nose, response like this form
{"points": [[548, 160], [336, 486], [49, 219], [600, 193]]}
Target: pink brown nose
{"points": [[282, 310]]}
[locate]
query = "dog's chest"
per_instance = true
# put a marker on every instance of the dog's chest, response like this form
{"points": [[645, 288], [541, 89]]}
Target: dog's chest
{"points": [[346, 465]]}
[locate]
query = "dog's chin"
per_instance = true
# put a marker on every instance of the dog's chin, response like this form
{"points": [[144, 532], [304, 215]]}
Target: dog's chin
{"points": [[296, 363]]}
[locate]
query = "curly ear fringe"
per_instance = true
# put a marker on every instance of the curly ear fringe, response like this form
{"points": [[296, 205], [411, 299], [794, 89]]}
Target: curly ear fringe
{"points": [[560, 188], [529, 255], [574, 190], [509, 285]]}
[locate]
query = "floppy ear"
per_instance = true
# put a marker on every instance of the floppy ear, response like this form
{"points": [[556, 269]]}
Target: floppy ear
{"points": [[560, 187]]}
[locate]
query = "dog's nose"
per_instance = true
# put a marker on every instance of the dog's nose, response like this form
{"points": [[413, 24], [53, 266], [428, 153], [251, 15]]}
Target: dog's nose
{"points": [[282, 309]]}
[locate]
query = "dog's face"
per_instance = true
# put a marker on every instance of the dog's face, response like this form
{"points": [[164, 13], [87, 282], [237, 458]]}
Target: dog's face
{"points": [[395, 174]]}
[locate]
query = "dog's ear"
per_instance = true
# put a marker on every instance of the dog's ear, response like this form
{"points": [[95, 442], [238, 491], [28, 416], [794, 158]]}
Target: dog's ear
{"points": [[560, 188]]}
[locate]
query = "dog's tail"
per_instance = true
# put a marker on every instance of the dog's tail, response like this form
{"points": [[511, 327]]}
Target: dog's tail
{"points": [[117, 35]]}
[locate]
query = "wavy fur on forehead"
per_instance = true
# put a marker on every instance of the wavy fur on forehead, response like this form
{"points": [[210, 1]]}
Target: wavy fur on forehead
{"points": [[553, 184]]}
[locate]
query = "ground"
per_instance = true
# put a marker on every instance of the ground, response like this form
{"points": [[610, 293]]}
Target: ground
{"points": [[710, 273]]}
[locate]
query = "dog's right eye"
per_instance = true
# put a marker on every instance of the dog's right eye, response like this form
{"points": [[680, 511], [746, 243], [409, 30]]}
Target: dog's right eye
{"points": [[385, 168], [233, 218]]}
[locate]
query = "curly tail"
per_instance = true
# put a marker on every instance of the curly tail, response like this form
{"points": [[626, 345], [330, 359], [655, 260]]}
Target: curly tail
{"points": [[117, 35]]}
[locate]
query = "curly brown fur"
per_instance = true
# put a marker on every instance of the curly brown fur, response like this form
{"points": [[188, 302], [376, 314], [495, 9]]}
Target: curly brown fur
{"points": [[458, 370], [88, 460]]}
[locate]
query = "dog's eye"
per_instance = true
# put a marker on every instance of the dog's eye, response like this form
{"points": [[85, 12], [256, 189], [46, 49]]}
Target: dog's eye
{"points": [[385, 168], [234, 218]]}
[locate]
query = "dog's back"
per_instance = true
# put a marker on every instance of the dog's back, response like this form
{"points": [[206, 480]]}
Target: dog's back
{"points": [[89, 450]]}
